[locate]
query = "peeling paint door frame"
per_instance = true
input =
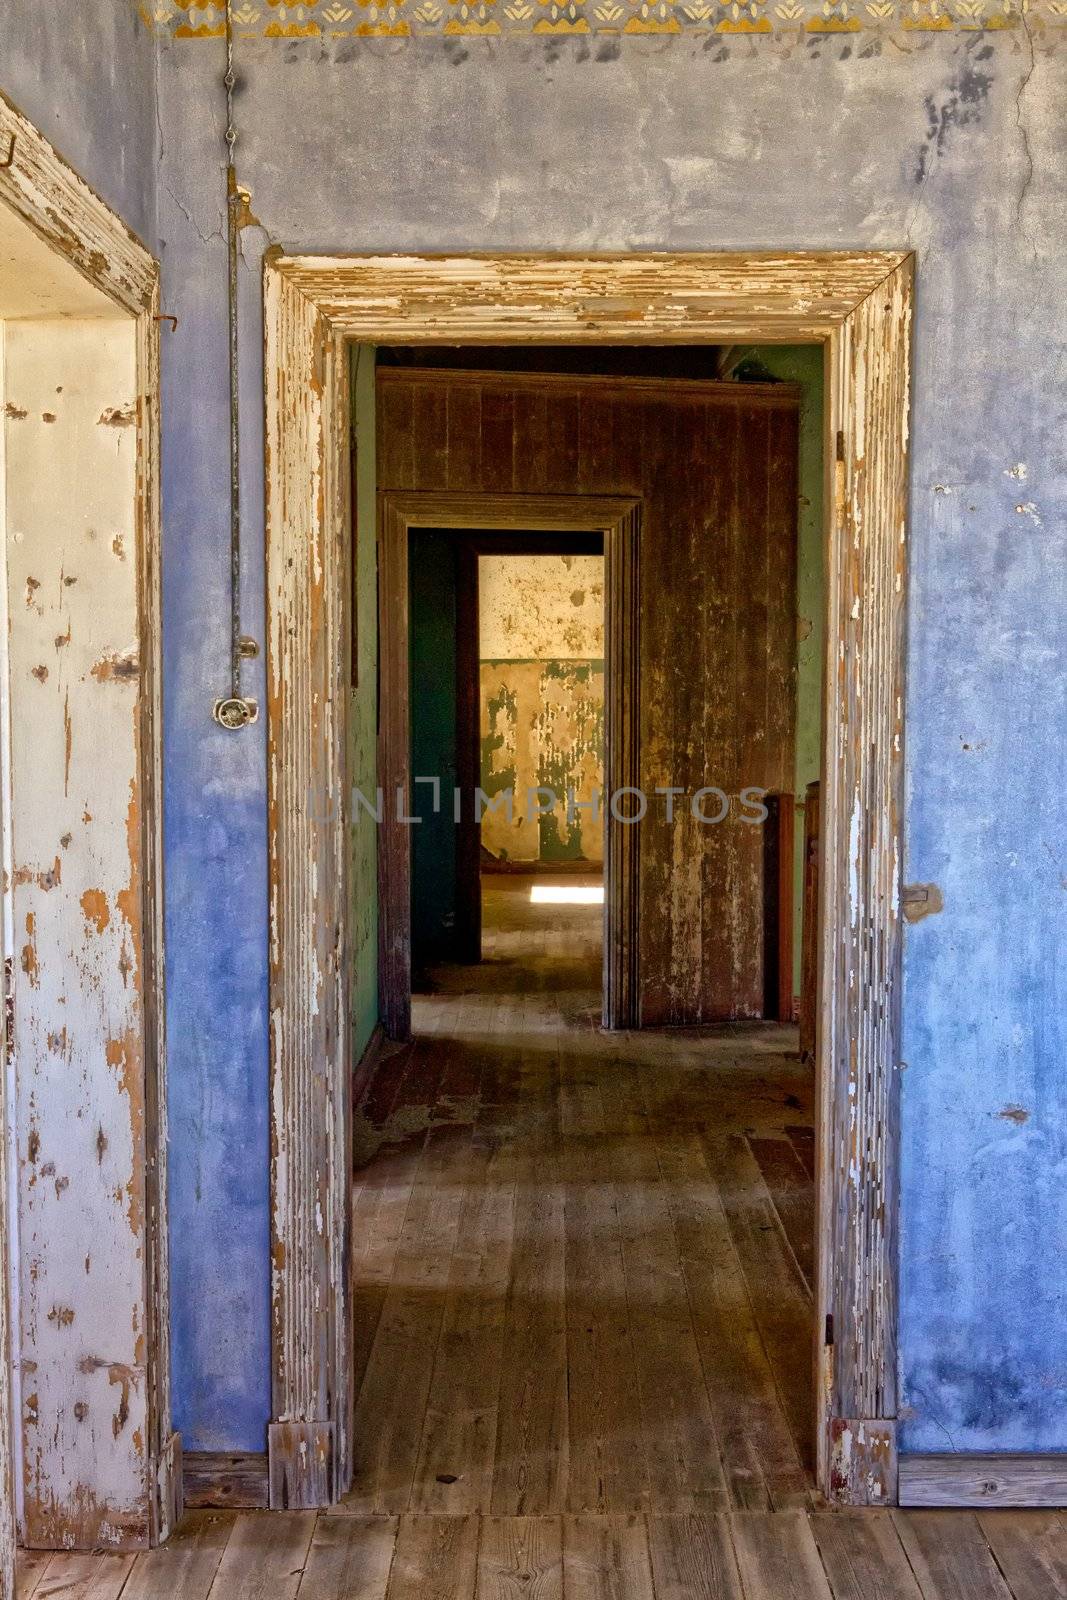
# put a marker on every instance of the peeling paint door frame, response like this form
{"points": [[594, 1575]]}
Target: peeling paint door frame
{"points": [[70, 218], [857, 305], [618, 518]]}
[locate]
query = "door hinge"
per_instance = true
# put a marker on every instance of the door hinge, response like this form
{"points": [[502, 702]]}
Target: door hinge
{"points": [[829, 1337]]}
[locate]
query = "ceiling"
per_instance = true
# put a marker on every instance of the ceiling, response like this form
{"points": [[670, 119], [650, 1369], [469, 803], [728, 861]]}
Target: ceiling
{"points": [[36, 281]]}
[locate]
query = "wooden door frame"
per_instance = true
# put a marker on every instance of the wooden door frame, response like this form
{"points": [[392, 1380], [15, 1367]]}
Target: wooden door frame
{"points": [[73, 221], [857, 304], [618, 519]]}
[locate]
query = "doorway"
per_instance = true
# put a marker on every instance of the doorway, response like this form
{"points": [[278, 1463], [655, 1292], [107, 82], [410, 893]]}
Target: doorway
{"points": [[507, 674], [491, 523], [85, 1293], [858, 307]]}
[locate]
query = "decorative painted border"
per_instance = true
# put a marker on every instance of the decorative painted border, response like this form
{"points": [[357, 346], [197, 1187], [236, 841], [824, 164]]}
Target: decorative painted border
{"points": [[795, 19]]}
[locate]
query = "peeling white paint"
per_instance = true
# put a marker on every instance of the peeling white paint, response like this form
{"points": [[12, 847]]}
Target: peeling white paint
{"points": [[79, 1115]]}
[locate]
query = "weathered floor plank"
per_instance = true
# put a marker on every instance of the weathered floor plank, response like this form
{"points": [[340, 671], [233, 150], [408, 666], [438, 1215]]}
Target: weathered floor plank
{"points": [[606, 1558], [185, 1567], [521, 1558], [863, 1556], [693, 1558], [778, 1557], [29, 1567], [758, 1452], [392, 1401], [949, 1555], [793, 1198], [264, 1556], [531, 1445], [1030, 1548], [436, 1558], [79, 1576], [349, 1557], [454, 1472], [607, 1458], [779, 1299], [678, 1426]]}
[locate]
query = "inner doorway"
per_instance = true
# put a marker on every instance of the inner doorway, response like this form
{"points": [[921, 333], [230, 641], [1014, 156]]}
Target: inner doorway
{"points": [[507, 690]]}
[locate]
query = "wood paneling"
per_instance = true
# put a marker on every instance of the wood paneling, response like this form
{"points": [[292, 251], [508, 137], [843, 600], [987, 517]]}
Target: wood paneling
{"points": [[715, 468]]}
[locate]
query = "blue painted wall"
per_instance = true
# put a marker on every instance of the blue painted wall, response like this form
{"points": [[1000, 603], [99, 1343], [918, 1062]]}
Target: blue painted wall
{"points": [[952, 146], [85, 75], [215, 813]]}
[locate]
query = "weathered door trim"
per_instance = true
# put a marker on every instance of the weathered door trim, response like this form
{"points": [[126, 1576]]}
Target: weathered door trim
{"points": [[63, 211], [618, 518], [858, 306]]}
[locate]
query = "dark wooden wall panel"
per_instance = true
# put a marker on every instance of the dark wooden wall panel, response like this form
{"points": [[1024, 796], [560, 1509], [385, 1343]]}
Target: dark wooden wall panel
{"points": [[715, 466]]}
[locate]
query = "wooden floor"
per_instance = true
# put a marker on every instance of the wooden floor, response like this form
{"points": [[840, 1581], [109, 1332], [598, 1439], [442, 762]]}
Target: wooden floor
{"points": [[740, 1555], [583, 1330], [583, 1261]]}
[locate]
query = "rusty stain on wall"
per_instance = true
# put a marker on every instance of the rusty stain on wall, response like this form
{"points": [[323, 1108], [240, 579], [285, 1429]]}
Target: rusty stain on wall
{"points": [[95, 906], [921, 900]]}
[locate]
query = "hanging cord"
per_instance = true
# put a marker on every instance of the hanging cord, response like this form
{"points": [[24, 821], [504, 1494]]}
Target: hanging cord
{"points": [[234, 711]]}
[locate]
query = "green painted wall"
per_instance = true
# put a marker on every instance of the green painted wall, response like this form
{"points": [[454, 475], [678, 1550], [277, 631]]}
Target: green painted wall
{"points": [[363, 718], [432, 662], [803, 364]]}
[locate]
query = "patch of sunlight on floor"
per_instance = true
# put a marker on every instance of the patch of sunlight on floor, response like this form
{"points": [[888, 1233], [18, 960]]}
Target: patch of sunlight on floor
{"points": [[563, 894]]}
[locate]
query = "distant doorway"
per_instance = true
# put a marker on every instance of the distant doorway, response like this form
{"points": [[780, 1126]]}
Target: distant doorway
{"points": [[430, 854], [507, 718]]}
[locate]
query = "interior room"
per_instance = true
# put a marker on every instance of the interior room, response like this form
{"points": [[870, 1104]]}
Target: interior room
{"points": [[531, 800]]}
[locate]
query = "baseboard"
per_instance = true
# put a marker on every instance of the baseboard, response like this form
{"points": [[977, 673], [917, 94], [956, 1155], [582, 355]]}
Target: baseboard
{"points": [[983, 1480], [367, 1065], [215, 1478]]}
